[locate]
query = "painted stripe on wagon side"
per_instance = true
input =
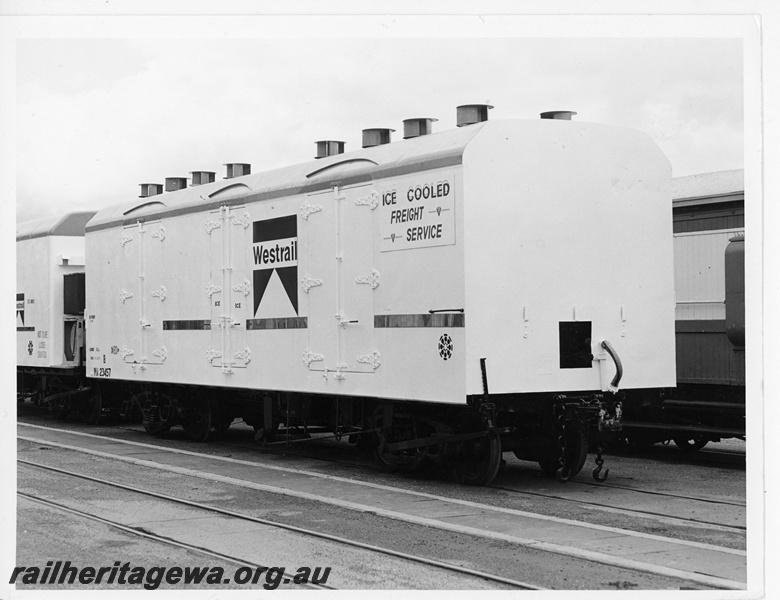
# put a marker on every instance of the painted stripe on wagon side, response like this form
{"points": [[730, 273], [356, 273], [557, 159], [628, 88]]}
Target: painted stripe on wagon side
{"points": [[186, 325], [421, 320], [281, 323]]}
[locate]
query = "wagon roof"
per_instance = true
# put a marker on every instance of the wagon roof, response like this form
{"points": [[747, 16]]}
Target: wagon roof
{"points": [[415, 154], [422, 153], [70, 224]]}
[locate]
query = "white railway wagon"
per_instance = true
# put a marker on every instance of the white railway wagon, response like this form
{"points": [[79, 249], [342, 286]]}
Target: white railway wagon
{"points": [[49, 334], [521, 253], [50, 313]]}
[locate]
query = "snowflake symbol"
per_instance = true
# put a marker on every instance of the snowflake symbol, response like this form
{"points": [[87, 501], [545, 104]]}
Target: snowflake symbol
{"points": [[445, 346]]}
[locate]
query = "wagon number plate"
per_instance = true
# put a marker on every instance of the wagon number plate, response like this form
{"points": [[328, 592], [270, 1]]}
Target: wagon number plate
{"points": [[101, 372]]}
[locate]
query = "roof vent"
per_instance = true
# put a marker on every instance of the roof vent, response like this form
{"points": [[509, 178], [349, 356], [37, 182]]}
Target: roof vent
{"points": [[201, 177], [468, 114], [560, 115], [237, 170], [329, 148], [150, 189], [175, 183], [417, 127], [376, 137]]}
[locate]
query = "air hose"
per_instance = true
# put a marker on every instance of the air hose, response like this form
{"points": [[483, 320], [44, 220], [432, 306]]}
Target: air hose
{"points": [[613, 386]]}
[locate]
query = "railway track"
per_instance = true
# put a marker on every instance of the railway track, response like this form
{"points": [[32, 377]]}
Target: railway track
{"points": [[692, 502], [674, 514], [134, 490], [669, 453], [699, 498], [688, 499], [138, 532], [504, 518], [665, 517]]}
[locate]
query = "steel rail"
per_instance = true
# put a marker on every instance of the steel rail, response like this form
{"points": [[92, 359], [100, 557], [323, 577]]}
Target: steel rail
{"points": [[710, 581], [575, 482], [157, 538], [666, 494], [506, 489], [639, 513], [295, 529]]}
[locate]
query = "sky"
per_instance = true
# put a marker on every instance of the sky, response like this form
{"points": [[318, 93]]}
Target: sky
{"points": [[95, 117]]}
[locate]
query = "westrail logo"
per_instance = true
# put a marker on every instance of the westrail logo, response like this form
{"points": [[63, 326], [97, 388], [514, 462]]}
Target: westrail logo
{"points": [[20, 307], [275, 250]]}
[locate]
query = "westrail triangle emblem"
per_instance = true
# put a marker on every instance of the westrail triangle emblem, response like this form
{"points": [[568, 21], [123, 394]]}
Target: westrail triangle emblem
{"points": [[20, 307], [275, 251]]}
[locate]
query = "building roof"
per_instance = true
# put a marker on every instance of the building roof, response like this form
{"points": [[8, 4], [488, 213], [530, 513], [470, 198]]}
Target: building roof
{"points": [[708, 185]]}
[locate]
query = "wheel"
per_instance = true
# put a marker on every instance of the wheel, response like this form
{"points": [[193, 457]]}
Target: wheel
{"points": [[265, 436], [389, 462], [156, 427], [60, 405], [196, 418], [157, 411], [479, 460], [576, 453], [690, 444], [62, 408], [92, 408], [403, 429]]}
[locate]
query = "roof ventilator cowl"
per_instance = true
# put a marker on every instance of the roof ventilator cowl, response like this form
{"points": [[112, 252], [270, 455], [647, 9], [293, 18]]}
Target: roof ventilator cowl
{"points": [[376, 137], [201, 177], [151, 189], [417, 127], [329, 148], [468, 114], [237, 170], [175, 183], [560, 115]]}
